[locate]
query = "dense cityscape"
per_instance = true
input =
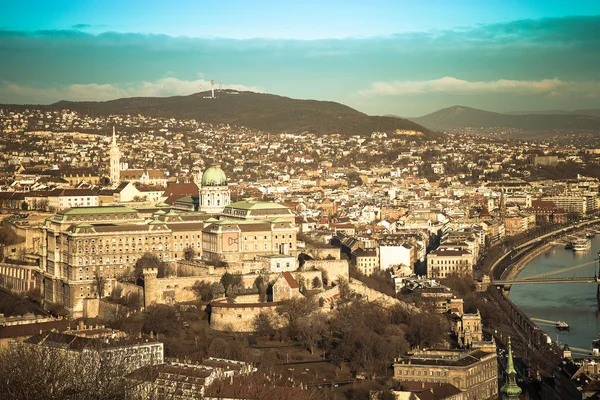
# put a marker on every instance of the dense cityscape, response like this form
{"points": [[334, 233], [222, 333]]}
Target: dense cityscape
{"points": [[270, 243], [227, 200]]}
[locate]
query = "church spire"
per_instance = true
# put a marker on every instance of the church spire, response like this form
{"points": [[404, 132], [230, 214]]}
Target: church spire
{"points": [[115, 157], [510, 390]]}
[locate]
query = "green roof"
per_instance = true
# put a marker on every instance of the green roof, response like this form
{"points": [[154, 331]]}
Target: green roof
{"points": [[255, 205], [510, 387], [96, 210], [214, 176], [162, 204]]}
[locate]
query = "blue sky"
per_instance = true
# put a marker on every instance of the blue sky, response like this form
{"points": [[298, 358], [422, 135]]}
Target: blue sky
{"points": [[402, 57]]}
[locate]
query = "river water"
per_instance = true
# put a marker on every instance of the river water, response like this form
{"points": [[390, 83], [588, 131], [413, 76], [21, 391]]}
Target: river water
{"points": [[574, 303]]}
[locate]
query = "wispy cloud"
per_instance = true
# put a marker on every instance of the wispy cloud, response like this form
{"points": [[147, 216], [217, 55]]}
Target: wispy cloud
{"points": [[100, 92], [81, 26], [450, 85]]}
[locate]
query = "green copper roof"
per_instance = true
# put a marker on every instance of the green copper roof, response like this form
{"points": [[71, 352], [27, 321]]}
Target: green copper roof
{"points": [[255, 205], [214, 176], [96, 210], [510, 388], [162, 205], [159, 212], [510, 367]]}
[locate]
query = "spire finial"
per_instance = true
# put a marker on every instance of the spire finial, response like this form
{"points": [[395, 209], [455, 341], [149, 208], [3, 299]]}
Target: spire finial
{"points": [[114, 136], [510, 366]]}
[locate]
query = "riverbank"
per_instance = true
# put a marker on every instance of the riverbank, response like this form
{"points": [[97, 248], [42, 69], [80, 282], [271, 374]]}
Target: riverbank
{"points": [[513, 270], [499, 268]]}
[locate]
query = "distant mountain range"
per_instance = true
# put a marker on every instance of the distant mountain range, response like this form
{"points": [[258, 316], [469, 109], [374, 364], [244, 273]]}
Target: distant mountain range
{"points": [[265, 112], [460, 116]]}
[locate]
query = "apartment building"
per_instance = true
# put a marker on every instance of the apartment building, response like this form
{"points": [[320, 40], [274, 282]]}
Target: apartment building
{"points": [[446, 261], [474, 372]]}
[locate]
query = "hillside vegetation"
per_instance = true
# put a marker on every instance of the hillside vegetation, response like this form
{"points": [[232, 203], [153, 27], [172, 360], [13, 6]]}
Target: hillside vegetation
{"points": [[265, 112]]}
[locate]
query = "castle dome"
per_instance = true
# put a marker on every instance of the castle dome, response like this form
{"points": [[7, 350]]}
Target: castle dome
{"points": [[214, 176]]}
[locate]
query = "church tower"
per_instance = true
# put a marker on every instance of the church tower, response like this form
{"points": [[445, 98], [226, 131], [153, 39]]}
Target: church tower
{"points": [[115, 160], [510, 390]]}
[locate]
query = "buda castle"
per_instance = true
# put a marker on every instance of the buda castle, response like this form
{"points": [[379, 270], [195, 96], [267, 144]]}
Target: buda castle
{"points": [[86, 250]]}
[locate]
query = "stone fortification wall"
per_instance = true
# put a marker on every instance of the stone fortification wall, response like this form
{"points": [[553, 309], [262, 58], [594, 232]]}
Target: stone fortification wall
{"points": [[332, 269], [187, 268], [375, 296], [126, 289], [239, 317], [322, 253]]}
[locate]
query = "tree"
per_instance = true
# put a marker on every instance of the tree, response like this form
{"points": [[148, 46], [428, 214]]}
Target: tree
{"points": [[203, 290], [309, 330], [261, 285], [40, 373], [149, 260], [316, 283], [263, 325], [99, 285], [189, 253], [161, 318], [296, 308], [426, 330], [231, 283]]}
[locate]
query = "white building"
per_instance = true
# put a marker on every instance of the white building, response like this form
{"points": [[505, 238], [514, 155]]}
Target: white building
{"points": [[446, 261], [390, 255], [61, 199]]}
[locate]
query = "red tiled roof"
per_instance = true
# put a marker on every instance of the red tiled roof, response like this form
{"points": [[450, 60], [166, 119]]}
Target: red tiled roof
{"points": [[290, 280]]}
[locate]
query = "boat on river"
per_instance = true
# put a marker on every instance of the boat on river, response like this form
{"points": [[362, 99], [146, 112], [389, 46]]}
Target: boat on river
{"points": [[562, 326], [582, 244]]}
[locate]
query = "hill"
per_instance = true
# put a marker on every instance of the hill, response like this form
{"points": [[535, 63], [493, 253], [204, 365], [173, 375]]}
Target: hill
{"points": [[265, 112], [592, 112], [459, 116]]}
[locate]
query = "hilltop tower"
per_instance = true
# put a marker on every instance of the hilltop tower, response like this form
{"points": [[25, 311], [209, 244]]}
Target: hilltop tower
{"points": [[115, 160], [510, 390], [150, 286]]}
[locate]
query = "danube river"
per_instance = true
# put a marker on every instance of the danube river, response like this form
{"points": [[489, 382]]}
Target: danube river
{"points": [[574, 303]]}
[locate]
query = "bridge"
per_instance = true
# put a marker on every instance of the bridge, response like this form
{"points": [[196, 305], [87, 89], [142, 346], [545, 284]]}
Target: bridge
{"points": [[587, 272], [580, 273]]}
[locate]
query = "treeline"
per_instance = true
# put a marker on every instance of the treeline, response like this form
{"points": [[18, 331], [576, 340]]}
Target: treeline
{"points": [[365, 336]]}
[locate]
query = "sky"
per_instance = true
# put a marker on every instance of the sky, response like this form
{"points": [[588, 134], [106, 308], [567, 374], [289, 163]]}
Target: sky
{"points": [[407, 58]]}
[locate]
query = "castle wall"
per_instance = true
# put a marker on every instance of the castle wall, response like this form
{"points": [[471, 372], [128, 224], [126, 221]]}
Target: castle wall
{"points": [[239, 317], [332, 269], [325, 252]]}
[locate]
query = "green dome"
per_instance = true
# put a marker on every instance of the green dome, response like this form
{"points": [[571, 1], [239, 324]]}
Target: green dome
{"points": [[214, 176]]}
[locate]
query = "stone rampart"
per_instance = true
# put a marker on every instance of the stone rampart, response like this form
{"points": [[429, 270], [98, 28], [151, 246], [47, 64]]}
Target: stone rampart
{"points": [[372, 295], [239, 317], [332, 269], [322, 253]]}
